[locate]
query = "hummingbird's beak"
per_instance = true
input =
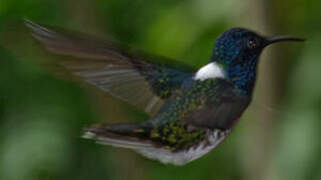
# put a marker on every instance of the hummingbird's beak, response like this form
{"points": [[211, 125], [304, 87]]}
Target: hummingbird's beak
{"points": [[276, 39]]}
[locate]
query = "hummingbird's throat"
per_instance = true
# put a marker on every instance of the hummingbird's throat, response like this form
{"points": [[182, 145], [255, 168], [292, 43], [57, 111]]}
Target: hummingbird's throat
{"points": [[243, 76]]}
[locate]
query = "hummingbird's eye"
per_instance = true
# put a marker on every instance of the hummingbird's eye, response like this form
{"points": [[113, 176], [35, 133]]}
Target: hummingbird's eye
{"points": [[252, 43]]}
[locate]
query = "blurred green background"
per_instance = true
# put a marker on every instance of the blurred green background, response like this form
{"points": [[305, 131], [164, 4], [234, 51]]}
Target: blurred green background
{"points": [[41, 116]]}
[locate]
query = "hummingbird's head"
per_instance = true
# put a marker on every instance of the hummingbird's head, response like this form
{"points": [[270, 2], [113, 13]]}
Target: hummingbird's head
{"points": [[237, 51]]}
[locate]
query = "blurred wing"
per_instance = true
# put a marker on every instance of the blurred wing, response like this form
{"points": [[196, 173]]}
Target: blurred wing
{"points": [[139, 79], [221, 109]]}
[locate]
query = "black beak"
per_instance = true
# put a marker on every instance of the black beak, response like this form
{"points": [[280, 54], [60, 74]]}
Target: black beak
{"points": [[276, 39]]}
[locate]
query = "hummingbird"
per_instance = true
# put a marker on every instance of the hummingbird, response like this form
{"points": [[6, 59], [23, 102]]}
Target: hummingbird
{"points": [[191, 111]]}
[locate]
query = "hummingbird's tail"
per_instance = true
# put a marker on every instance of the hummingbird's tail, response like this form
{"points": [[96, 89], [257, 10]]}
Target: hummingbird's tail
{"points": [[137, 137], [120, 135]]}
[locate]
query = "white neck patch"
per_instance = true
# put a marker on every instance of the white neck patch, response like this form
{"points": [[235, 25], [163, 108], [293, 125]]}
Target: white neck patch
{"points": [[210, 71]]}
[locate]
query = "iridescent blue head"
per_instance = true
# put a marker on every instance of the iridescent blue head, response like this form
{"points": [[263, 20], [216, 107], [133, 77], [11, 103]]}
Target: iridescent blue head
{"points": [[237, 51]]}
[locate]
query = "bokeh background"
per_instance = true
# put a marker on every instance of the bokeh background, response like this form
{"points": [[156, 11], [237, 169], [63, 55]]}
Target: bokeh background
{"points": [[41, 116]]}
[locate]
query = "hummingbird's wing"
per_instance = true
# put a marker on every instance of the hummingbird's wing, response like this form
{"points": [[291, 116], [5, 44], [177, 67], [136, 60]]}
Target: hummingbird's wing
{"points": [[219, 108], [137, 78]]}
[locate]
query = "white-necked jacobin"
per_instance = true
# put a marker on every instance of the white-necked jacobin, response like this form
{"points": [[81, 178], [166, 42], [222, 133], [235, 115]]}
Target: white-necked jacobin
{"points": [[191, 111]]}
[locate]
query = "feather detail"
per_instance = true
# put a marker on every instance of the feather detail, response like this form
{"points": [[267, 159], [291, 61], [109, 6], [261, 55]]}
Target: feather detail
{"points": [[113, 68], [153, 150]]}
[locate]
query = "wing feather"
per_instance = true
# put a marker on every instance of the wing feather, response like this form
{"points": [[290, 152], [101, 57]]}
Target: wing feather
{"points": [[137, 78]]}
